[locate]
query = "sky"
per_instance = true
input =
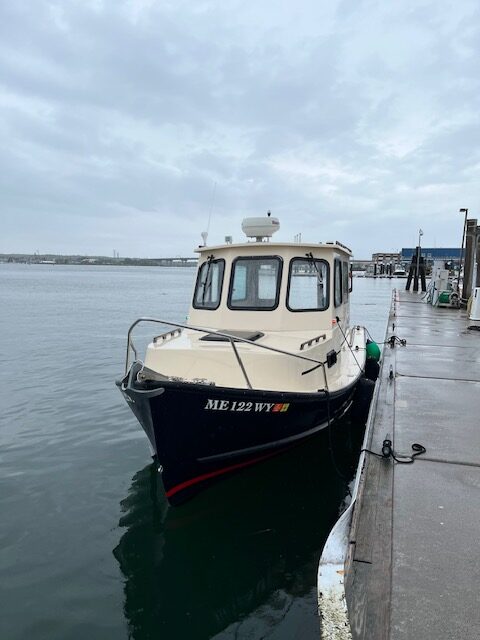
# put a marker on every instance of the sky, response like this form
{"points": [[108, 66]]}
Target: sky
{"points": [[134, 125]]}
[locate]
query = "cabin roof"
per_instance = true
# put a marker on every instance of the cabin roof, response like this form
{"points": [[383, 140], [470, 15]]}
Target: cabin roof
{"points": [[270, 247]]}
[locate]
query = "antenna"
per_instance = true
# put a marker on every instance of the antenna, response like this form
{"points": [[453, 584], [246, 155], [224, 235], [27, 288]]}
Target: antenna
{"points": [[204, 234], [214, 191]]}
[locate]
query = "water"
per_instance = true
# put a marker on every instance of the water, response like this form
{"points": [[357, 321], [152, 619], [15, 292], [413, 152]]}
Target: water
{"points": [[88, 546]]}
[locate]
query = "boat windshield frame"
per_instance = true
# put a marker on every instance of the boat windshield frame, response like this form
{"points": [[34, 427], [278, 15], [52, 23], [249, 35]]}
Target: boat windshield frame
{"points": [[279, 273], [312, 260], [208, 265], [338, 283], [345, 280]]}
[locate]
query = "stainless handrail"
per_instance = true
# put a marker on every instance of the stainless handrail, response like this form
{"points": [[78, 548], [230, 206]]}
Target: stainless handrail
{"points": [[229, 337], [239, 360]]}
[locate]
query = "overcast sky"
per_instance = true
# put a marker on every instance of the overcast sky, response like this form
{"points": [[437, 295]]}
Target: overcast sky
{"points": [[125, 123]]}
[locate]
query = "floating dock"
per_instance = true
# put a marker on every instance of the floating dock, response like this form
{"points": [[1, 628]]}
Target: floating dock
{"points": [[403, 562]]}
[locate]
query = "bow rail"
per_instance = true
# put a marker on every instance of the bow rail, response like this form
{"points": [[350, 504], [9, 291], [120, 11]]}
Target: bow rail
{"points": [[231, 338]]}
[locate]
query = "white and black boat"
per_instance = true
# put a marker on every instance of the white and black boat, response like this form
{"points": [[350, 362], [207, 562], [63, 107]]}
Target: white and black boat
{"points": [[267, 359]]}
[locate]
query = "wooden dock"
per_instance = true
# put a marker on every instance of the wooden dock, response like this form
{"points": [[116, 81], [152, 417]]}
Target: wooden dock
{"points": [[405, 562]]}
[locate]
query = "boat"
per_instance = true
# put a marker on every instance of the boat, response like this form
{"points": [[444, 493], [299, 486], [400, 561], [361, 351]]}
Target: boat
{"points": [[267, 358], [399, 272]]}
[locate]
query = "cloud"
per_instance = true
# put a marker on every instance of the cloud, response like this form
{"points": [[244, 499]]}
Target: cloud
{"points": [[346, 119]]}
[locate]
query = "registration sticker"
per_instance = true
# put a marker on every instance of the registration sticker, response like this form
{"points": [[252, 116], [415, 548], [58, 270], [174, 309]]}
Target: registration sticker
{"points": [[256, 407]]}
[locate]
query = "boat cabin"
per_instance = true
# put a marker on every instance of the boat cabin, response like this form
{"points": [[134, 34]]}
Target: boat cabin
{"points": [[272, 286]]}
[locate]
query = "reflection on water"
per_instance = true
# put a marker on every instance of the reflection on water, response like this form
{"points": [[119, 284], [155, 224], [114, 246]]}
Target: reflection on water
{"points": [[245, 548]]}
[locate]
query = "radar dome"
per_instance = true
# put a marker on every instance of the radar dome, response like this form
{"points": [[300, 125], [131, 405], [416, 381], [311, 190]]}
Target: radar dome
{"points": [[260, 228]]}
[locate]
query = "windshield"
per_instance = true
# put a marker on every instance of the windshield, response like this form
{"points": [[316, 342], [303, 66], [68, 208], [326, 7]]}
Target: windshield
{"points": [[308, 285], [255, 283], [208, 289]]}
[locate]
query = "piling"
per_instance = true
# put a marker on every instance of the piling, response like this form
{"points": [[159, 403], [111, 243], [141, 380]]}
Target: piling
{"points": [[416, 272]]}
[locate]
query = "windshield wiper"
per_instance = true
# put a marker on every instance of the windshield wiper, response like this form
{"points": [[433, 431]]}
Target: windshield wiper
{"points": [[312, 261]]}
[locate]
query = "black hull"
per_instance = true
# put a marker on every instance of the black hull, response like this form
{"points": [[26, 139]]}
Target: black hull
{"points": [[199, 432]]}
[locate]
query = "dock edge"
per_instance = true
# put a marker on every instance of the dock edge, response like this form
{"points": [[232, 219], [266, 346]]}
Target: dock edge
{"points": [[332, 603]]}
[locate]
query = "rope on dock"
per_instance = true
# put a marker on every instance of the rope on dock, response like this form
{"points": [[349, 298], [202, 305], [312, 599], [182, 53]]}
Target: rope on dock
{"points": [[388, 452]]}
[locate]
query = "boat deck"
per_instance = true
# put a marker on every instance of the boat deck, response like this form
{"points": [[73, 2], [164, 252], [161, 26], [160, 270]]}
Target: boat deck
{"points": [[413, 564]]}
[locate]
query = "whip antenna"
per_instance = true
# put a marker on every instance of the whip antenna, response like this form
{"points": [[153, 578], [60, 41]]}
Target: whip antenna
{"points": [[214, 192], [205, 233]]}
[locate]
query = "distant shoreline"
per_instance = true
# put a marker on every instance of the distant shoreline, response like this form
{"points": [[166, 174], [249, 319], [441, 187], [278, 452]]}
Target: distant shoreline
{"points": [[54, 259]]}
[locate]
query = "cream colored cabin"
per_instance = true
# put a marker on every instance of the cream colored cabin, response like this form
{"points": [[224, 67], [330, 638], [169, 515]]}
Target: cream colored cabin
{"points": [[281, 295], [310, 286]]}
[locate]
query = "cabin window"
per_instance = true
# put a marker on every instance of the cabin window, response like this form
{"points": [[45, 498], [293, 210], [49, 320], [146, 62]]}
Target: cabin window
{"points": [[208, 290], [308, 285], [338, 282], [255, 283], [345, 275]]}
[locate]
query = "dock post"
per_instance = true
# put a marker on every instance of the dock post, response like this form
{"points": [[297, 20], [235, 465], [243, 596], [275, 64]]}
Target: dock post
{"points": [[470, 238], [417, 269], [423, 274], [416, 272], [410, 274]]}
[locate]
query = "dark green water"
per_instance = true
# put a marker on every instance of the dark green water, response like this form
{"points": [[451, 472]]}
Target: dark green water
{"points": [[88, 546]]}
